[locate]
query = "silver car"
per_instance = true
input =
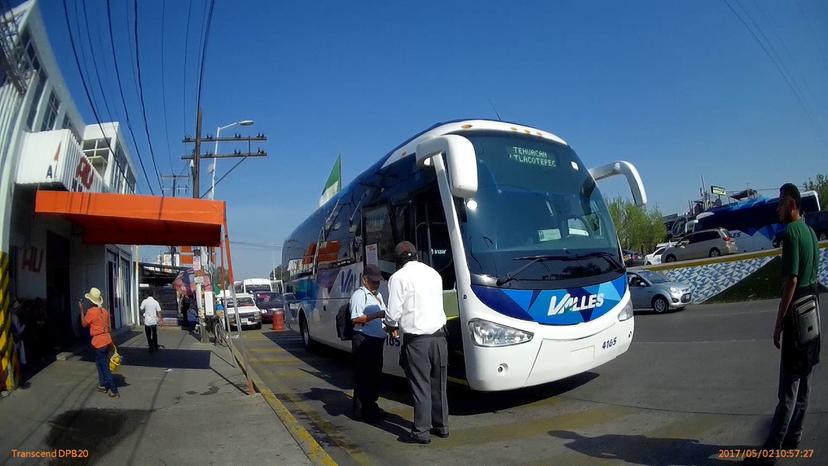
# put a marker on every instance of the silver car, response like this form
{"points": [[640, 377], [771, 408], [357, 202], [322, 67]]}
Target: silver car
{"points": [[700, 244], [652, 290]]}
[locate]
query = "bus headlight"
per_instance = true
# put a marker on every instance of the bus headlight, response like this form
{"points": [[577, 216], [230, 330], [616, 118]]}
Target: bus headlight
{"points": [[626, 313], [487, 333]]}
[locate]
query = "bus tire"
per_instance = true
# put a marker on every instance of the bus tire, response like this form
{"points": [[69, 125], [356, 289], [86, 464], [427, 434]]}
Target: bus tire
{"points": [[305, 331], [714, 253], [660, 305], [670, 258]]}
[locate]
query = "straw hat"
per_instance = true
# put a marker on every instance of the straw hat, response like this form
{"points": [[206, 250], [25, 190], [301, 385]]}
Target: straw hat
{"points": [[94, 295]]}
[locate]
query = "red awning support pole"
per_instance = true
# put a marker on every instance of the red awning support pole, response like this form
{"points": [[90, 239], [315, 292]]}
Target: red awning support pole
{"points": [[250, 389]]}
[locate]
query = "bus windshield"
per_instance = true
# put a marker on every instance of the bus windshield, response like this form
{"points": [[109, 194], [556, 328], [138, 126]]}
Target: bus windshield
{"points": [[536, 199]]}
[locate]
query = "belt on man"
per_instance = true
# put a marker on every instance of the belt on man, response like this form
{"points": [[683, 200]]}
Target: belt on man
{"points": [[414, 336]]}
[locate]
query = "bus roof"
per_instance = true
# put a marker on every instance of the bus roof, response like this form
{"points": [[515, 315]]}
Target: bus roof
{"points": [[409, 146]]}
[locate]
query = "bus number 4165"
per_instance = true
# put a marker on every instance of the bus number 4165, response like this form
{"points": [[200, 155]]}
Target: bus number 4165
{"points": [[609, 343]]}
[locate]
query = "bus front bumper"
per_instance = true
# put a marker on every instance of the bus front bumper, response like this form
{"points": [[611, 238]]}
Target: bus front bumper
{"points": [[544, 360]]}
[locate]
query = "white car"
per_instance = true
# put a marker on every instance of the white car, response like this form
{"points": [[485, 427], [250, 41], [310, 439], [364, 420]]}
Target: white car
{"points": [[249, 314], [654, 258]]}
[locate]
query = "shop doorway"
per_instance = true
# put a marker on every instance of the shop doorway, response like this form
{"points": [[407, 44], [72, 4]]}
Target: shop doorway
{"points": [[59, 315]]}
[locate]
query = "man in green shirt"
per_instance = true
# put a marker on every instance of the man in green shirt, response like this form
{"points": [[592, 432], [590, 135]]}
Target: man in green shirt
{"points": [[800, 268]]}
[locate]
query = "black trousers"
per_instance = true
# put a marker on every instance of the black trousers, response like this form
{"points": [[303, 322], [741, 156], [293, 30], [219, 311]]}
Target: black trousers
{"points": [[152, 336], [786, 427], [795, 370], [425, 360], [367, 358]]}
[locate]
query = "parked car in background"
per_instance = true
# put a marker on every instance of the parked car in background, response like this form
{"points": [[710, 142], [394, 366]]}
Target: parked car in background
{"points": [[653, 290], [249, 314], [269, 303], [632, 258], [819, 222], [654, 258], [699, 244]]}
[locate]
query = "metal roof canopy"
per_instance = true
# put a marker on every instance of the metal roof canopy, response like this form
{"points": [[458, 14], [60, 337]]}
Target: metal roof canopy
{"points": [[136, 219]]}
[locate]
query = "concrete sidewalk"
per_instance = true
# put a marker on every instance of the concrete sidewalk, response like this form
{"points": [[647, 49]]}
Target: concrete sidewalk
{"points": [[184, 404]]}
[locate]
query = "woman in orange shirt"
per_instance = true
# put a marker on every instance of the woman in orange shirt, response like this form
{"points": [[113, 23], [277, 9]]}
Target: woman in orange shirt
{"points": [[97, 319]]}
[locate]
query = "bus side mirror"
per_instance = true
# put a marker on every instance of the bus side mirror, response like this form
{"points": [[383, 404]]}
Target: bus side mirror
{"points": [[460, 158], [629, 171]]}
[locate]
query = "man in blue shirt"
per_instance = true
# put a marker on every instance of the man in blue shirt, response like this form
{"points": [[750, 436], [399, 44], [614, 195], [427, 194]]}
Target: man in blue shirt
{"points": [[367, 311]]}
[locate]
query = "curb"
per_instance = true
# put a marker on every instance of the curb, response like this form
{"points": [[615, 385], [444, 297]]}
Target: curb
{"points": [[313, 450]]}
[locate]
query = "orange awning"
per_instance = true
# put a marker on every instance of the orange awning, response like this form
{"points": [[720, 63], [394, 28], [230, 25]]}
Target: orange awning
{"points": [[136, 219]]}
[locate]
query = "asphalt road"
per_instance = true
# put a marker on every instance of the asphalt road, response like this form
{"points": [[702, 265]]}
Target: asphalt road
{"points": [[693, 383]]}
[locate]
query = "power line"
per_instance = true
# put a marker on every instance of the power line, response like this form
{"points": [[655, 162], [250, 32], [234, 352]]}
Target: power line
{"points": [[225, 174], [91, 52], [186, 54], [164, 86], [141, 91], [204, 52], [121, 92], [770, 51], [86, 89], [203, 60]]}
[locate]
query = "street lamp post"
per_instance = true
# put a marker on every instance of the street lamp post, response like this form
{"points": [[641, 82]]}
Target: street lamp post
{"points": [[215, 152]]}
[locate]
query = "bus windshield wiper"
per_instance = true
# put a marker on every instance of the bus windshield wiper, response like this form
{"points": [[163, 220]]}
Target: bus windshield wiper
{"points": [[611, 258], [532, 260]]}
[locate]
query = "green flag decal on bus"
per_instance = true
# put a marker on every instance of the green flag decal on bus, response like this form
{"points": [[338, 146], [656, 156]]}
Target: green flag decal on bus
{"points": [[334, 183]]}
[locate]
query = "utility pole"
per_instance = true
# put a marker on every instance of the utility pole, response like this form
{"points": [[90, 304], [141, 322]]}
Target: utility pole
{"points": [[196, 158], [197, 195]]}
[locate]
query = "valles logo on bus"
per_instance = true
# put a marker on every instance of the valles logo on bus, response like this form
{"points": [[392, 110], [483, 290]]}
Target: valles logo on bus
{"points": [[570, 303], [566, 306]]}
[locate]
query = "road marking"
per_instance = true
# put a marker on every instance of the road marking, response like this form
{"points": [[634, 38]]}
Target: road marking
{"points": [[688, 426], [315, 453], [533, 427]]}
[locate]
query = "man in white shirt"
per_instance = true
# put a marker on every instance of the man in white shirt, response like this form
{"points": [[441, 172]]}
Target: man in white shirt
{"points": [[415, 305], [152, 318], [367, 310]]}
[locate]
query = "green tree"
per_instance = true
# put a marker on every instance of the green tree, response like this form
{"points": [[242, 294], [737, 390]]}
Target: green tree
{"points": [[638, 229], [820, 185]]}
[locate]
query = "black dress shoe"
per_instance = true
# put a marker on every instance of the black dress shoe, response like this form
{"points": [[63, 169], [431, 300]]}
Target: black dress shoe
{"points": [[439, 433], [408, 438]]}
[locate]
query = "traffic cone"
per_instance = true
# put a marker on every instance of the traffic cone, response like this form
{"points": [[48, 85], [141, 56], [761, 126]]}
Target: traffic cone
{"points": [[278, 321]]}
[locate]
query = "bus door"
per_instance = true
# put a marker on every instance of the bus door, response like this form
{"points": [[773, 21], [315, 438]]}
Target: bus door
{"points": [[431, 237]]}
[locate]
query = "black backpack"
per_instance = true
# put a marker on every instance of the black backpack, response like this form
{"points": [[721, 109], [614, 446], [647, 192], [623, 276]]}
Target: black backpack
{"points": [[344, 324]]}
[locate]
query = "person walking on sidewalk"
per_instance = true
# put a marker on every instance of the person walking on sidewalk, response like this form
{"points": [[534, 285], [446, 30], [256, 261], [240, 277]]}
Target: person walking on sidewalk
{"points": [[152, 319], [367, 310], [97, 319], [800, 269], [415, 305]]}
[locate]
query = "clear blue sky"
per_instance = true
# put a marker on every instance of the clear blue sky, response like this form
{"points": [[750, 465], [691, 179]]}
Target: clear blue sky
{"points": [[681, 89]]}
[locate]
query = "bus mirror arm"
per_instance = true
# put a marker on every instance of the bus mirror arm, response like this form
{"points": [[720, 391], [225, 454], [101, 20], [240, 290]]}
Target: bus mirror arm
{"points": [[460, 158], [627, 169]]}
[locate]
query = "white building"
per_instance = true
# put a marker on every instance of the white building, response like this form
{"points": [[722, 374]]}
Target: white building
{"points": [[45, 144]]}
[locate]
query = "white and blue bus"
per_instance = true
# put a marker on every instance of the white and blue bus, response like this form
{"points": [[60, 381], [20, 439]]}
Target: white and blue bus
{"points": [[754, 223], [535, 289]]}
